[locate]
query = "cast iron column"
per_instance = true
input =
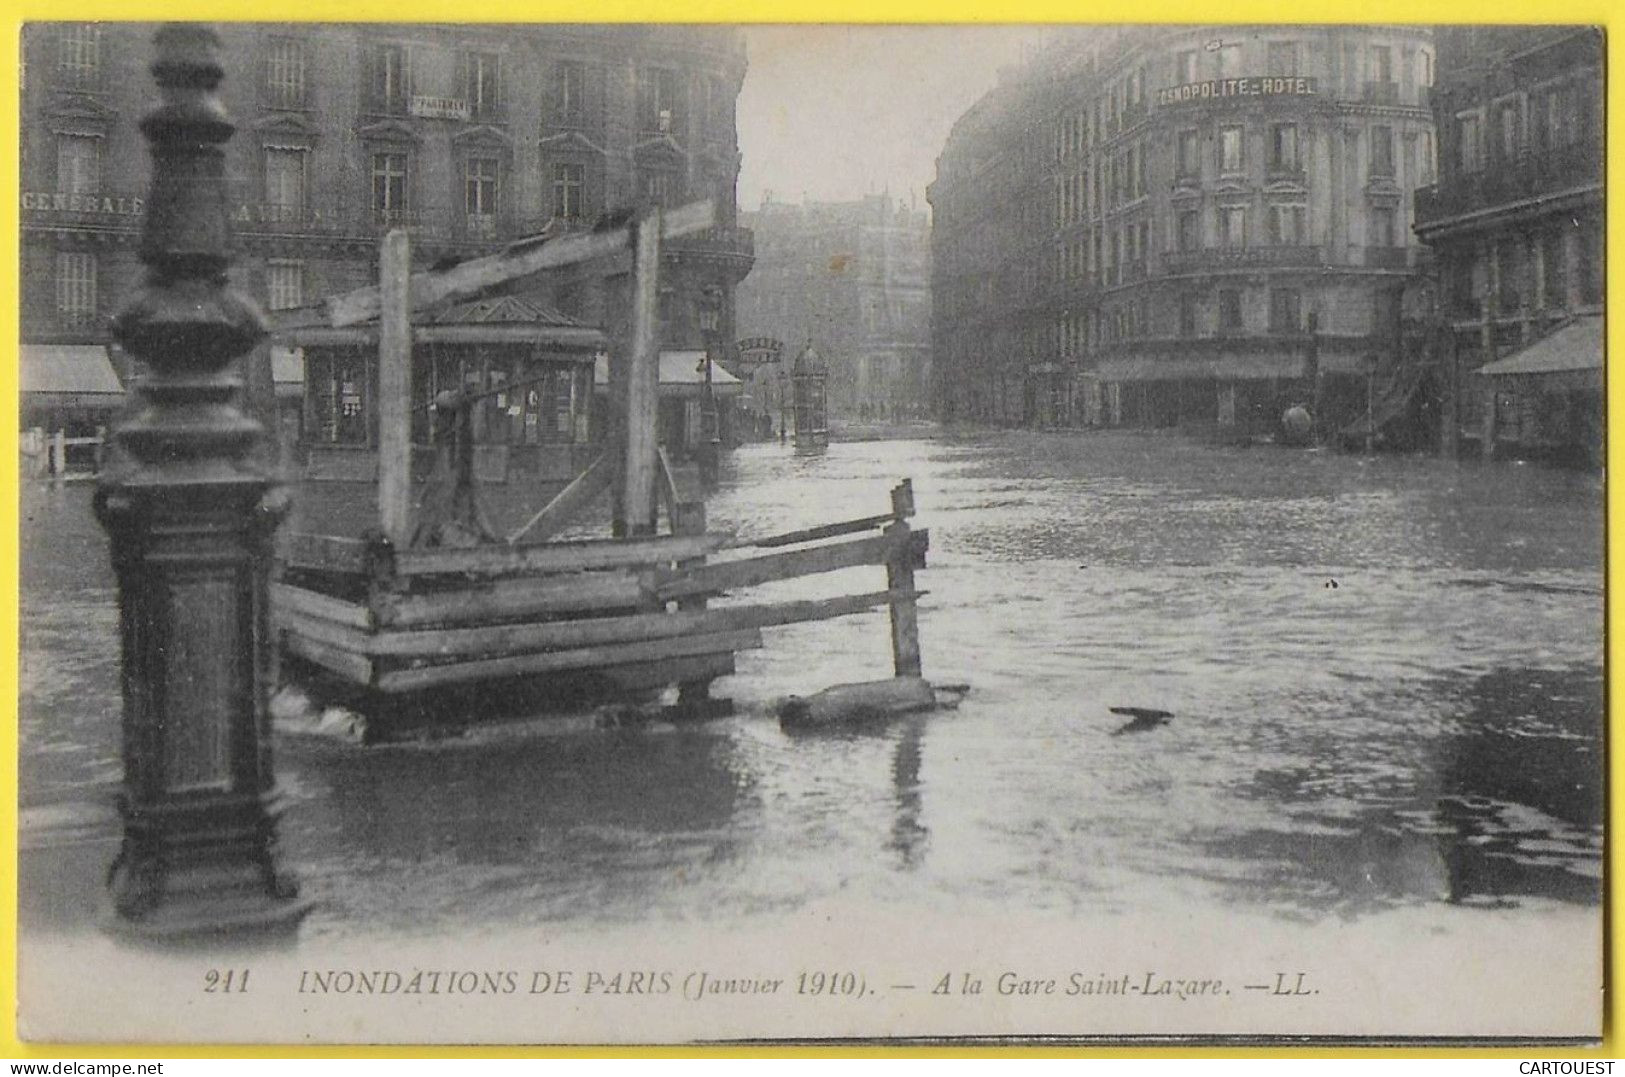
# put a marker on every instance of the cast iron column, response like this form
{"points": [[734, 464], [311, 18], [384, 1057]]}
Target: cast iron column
{"points": [[190, 507]]}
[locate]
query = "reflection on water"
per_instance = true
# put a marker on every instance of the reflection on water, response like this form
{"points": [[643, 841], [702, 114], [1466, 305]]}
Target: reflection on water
{"points": [[1384, 677]]}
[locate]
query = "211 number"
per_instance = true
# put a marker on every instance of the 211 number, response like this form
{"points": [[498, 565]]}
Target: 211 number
{"points": [[217, 982]]}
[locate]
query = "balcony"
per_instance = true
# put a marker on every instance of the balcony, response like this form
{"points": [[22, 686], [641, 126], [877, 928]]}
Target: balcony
{"points": [[1532, 176], [1217, 258], [1387, 257], [1283, 172], [735, 241], [1380, 93]]}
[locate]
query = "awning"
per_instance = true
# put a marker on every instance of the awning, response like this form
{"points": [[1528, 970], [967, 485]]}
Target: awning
{"points": [[1575, 347], [81, 370], [682, 373]]}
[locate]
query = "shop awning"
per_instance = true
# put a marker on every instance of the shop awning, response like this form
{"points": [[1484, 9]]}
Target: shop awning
{"points": [[1576, 347], [682, 373], [70, 370]]}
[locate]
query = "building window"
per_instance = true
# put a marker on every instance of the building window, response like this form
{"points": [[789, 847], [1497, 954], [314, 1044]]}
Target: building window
{"points": [[1187, 315], [1509, 130], [79, 58], [1382, 151], [480, 190], [285, 72], [1509, 259], [1283, 147], [1232, 226], [1283, 58], [1189, 230], [1189, 155], [1424, 68], [1382, 64], [285, 285], [1588, 263], [659, 187], [1229, 61], [75, 288], [481, 71], [390, 78], [1231, 156], [389, 187], [1555, 270], [1428, 167], [1286, 225], [660, 106], [285, 183], [1230, 308], [78, 164], [1284, 316], [1470, 142], [1382, 226], [1185, 67], [569, 93], [339, 389], [568, 186]]}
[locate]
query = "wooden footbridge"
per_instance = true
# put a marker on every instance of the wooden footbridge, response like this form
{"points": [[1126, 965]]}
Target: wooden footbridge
{"points": [[416, 608]]}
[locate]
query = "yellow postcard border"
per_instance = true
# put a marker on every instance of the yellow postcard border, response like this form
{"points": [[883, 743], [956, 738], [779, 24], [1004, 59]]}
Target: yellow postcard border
{"points": [[1592, 12]]}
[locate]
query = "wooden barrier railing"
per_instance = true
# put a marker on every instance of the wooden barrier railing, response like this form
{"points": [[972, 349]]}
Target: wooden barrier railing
{"points": [[634, 609]]}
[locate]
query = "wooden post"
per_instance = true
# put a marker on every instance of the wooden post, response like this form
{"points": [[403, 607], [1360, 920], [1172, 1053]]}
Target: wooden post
{"points": [[639, 461], [191, 508], [395, 388], [59, 454], [905, 621]]}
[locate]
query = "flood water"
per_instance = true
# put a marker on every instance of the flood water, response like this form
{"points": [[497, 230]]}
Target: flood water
{"points": [[1385, 678]]}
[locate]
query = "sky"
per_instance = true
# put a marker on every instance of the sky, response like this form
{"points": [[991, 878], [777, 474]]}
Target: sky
{"points": [[832, 113]]}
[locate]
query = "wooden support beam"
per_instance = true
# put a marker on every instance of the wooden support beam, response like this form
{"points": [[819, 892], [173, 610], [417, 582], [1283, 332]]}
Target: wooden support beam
{"points": [[639, 447], [721, 576], [323, 553], [582, 491], [556, 557], [905, 619], [518, 259], [285, 596], [408, 680], [822, 531], [355, 668], [395, 389], [586, 632], [512, 599]]}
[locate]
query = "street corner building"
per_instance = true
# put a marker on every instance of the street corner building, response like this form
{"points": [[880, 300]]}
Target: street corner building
{"points": [[1516, 221], [1196, 226], [468, 136]]}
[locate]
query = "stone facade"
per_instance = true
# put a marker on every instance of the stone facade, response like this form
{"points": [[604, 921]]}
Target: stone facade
{"points": [[469, 135], [1141, 225]]}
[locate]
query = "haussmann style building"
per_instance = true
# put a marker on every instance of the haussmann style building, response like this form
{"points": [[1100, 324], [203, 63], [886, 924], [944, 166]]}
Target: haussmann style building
{"points": [[469, 136], [1516, 221], [1189, 225]]}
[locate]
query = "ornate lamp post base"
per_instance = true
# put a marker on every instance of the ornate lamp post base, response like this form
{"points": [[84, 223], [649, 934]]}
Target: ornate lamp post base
{"points": [[190, 507]]}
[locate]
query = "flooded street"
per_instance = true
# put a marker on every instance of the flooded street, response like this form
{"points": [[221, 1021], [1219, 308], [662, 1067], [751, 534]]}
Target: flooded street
{"points": [[1385, 677]]}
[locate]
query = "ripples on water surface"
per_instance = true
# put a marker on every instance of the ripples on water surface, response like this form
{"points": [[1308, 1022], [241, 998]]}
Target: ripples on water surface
{"points": [[1385, 676]]}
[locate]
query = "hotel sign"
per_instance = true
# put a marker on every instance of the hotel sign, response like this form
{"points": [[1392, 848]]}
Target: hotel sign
{"points": [[1236, 89], [440, 108]]}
